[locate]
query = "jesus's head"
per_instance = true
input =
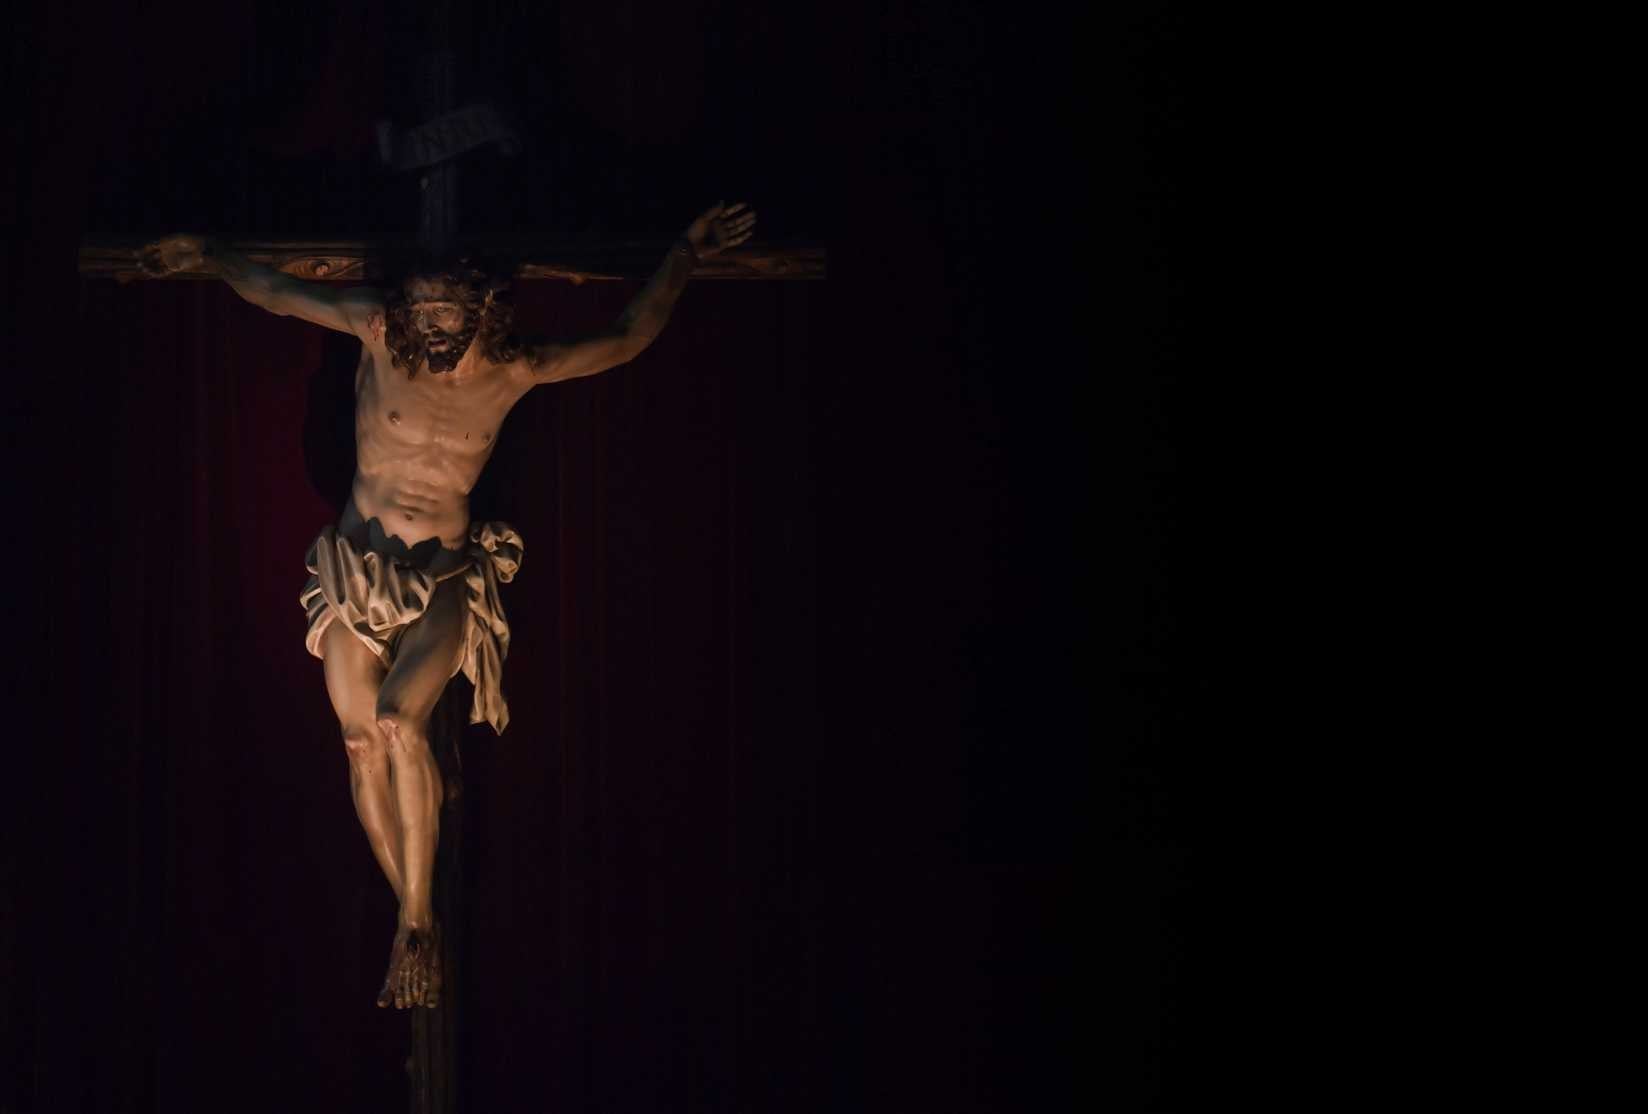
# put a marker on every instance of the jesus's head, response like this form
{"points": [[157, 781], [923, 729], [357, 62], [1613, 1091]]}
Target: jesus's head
{"points": [[438, 313], [440, 322]]}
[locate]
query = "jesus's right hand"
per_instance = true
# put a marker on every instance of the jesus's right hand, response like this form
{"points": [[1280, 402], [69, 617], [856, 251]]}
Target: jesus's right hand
{"points": [[173, 254]]}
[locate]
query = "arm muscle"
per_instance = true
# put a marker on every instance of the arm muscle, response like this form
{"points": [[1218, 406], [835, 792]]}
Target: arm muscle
{"points": [[637, 327], [553, 361], [343, 309]]}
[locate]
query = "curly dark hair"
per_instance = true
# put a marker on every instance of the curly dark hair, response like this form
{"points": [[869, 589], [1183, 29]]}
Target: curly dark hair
{"points": [[489, 314]]}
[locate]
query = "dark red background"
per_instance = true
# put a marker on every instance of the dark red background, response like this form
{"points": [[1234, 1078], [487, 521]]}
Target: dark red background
{"points": [[847, 625]]}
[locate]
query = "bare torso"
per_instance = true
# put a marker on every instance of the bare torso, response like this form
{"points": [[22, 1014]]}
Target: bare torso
{"points": [[420, 445]]}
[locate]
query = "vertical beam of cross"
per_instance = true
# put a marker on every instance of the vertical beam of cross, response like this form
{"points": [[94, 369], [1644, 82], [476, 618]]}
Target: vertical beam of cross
{"points": [[438, 184], [432, 1068]]}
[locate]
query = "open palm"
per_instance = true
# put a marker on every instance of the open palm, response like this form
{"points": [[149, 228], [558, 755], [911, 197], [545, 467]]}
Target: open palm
{"points": [[720, 227]]}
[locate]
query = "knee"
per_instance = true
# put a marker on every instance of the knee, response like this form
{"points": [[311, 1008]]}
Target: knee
{"points": [[362, 742], [401, 732]]}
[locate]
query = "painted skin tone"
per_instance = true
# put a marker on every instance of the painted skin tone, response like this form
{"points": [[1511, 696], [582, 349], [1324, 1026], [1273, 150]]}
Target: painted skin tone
{"points": [[421, 443]]}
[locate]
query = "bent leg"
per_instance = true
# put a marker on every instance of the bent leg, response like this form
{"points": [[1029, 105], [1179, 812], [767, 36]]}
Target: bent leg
{"points": [[353, 677], [425, 660]]}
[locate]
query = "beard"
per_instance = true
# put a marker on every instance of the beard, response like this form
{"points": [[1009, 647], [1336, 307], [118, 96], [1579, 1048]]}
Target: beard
{"points": [[446, 359]]}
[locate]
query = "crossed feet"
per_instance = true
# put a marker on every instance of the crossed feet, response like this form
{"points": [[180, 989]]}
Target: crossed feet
{"points": [[414, 977]]}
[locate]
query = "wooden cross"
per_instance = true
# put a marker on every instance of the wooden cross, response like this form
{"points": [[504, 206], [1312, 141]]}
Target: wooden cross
{"points": [[426, 155]]}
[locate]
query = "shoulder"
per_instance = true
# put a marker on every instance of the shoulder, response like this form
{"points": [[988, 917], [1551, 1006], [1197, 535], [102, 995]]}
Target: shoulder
{"points": [[541, 360], [520, 369], [367, 308]]}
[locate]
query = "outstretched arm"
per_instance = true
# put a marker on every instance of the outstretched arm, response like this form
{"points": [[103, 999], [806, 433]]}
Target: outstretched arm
{"points": [[720, 227], [345, 309]]}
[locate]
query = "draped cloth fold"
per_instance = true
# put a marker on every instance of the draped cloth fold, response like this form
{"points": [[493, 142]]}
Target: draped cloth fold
{"points": [[378, 597]]}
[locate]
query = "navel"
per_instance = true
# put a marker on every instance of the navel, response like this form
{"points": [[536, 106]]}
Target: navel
{"points": [[394, 416]]}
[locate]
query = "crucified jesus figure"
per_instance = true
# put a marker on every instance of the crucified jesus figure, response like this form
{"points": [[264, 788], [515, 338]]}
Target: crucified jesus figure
{"points": [[403, 590]]}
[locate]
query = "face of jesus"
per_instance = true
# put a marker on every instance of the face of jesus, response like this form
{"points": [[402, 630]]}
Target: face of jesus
{"points": [[439, 320]]}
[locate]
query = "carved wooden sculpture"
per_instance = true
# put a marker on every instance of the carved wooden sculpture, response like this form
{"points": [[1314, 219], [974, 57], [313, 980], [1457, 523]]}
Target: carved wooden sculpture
{"points": [[403, 591]]}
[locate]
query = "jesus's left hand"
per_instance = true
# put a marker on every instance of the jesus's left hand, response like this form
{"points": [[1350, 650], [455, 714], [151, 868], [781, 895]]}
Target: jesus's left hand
{"points": [[720, 227]]}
